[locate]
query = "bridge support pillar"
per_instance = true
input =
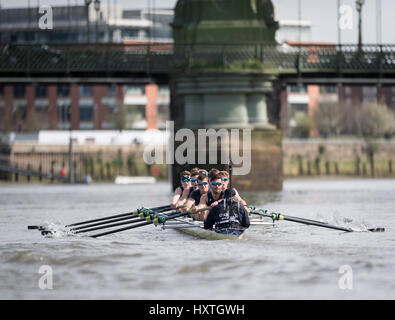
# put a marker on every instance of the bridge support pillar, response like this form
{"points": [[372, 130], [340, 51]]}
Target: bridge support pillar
{"points": [[284, 110], [8, 107], [30, 117], [75, 107], [120, 108], [151, 108], [225, 102], [384, 95], [98, 93], [52, 106]]}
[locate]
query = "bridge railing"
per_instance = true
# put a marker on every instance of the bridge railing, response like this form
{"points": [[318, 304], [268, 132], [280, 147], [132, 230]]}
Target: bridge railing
{"points": [[168, 57]]}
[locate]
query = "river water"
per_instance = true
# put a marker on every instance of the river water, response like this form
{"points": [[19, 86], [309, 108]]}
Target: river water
{"points": [[289, 261]]}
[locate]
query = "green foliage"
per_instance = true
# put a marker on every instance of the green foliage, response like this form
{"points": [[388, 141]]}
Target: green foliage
{"points": [[302, 125], [327, 119], [375, 120], [369, 120], [250, 64]]}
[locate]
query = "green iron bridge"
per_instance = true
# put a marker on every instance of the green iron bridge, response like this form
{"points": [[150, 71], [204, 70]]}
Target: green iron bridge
{"points": [[141, 63]]}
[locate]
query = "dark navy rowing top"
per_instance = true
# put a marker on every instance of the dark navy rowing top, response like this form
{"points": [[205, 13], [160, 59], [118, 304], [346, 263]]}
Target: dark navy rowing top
{"points": [[210, 198]]}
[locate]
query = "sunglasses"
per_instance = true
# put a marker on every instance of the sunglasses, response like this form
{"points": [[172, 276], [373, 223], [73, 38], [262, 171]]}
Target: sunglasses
{"points": [[202, 183], [224, 179], [193, 180], [216, 183], [185, 180]]}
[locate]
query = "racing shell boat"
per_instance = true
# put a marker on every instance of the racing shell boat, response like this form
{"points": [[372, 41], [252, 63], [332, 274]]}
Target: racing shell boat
{"points": [[195, 228]]}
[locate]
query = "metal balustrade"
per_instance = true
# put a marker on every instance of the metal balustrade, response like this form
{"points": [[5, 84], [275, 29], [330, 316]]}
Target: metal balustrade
{"points": [[159, 58]]}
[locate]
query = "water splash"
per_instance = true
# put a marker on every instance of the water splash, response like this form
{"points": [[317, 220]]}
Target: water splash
{"points": [[57, 230]]}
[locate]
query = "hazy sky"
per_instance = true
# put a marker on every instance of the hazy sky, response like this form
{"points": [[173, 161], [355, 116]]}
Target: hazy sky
{"points": [[322, 14]]}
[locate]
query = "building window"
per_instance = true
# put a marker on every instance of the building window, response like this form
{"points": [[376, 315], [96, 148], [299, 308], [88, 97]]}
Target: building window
{"points": [[299, 107], [331, 88], [19, 91], [296, 88], [369, 94], [86, 91], [86, 113], [41, 91], [63, 90], [135, 90], [112, 90]]}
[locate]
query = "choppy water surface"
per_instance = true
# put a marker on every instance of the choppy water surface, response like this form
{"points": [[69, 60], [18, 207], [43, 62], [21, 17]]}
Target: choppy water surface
{"points": [[291, 261]]}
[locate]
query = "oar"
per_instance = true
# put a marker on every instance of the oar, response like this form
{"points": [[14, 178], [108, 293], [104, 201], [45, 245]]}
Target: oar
{"points": [[146, 216], [279, 216], [134, 218], [157, 219], [135, 212]]}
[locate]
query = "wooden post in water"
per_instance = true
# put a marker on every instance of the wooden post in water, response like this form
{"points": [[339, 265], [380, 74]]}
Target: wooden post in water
{"points": [[52, 170], [40, 171], [28, 175], [327, 168], [317, 166], [300, 165], [16, 173], [71, 162], [358, 166], [108, 168], [309, 168]]}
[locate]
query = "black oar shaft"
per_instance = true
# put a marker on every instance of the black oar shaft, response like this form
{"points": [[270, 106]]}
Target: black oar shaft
{"points": [[278, 216], [315, 223], [176, 215], [105, 222], [112, 217], [122, 229], [111, 225]]}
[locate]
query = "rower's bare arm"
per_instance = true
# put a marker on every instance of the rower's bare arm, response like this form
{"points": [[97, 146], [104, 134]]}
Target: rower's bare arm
{"points": [[201, 215], [202, 203], [189, 203], [176, 197], [242, 202], [197, 215]]}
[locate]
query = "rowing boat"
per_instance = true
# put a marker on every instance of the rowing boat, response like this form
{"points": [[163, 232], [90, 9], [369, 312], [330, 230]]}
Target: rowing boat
{"points": [[195, 228]]}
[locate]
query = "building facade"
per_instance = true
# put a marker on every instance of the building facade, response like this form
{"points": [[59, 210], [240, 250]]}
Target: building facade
{"points": [[33, 107]]}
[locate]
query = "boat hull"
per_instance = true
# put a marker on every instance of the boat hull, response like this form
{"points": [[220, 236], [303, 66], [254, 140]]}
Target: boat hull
{"points": [[195, 228]]}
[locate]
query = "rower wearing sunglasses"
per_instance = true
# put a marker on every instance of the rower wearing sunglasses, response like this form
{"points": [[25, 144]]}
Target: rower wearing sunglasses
{"points": [[194, 178], [225, 179], [195, 196], [182, 193], [209, 199]]}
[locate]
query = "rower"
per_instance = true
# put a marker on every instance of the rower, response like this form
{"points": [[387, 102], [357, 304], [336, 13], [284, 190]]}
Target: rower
{"points": [[183, 191], [195, 196], [203, 172], [194, 178], [228, 217], [225, 179], [212, 172], [209, 199]]}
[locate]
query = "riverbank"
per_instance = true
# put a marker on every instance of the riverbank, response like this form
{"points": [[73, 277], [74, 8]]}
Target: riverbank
{"points": [[339, 157]]}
